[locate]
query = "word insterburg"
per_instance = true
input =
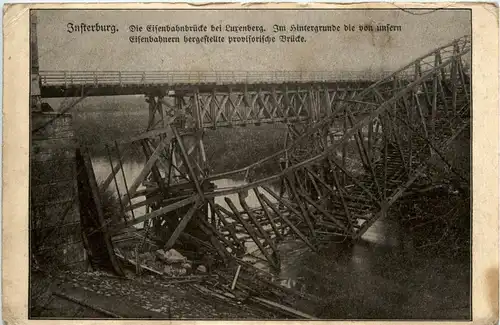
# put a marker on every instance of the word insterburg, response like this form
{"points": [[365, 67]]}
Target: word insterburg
{"points": [[84, 28]]}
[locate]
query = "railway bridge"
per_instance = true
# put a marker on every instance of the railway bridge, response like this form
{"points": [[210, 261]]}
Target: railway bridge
{"points": [[355, 145]]}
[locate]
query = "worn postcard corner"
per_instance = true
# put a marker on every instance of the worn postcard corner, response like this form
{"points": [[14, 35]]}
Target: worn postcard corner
{"points": [[260, 162]]}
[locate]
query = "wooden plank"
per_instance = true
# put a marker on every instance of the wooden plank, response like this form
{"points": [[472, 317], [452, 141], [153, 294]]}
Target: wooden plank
{"points": [[386, 140], [421, 116], [233, 284], [221, 250], [124, 182], [372, 169], [434, 99], [107, 181], [140, 266], [399, 192], [197, 115], [344, 204], [100, 215], [398, 140], [370, 140], [157, 213], [209, 226], [283, 308], [251, 232], [185, 156], [344, 146], [323, 211], [313, 181], [443, 95], [257, 224], [146, 169], [454, 67], [267, 215], [151, 146], [462, 78], [287, 221], [154, 169], [282, 201], [321, 181], [152, 111], [305, 213], [103, 188], [182, 225], [357, 182], [227, 225]]}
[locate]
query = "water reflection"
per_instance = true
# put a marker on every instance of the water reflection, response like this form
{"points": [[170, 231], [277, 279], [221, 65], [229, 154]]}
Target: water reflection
{"points": [[250, 197], [132, 169], [380, 276]]}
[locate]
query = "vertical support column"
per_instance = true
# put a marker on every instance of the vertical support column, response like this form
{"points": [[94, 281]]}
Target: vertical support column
{"points": [[247, 102], [297, 102], [197, 115], [203, 156], [434, 97], [227, 106], [174, 172], [370, 141], [159, 107], [34, 43], [409, 116], [150, 99], [213, 109], [36, 102], [425, 90], [180, 108], [286, 102], [441, 85], [189, 151], [310, 103], [386, 138], [84, 157], [196, 110], [461, 73], [344, 148], [394, 109], [154, 169], [328, 103], [454, 67]]}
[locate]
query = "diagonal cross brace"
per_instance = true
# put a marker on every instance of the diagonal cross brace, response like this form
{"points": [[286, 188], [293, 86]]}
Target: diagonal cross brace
{"points": [[147, 167]]}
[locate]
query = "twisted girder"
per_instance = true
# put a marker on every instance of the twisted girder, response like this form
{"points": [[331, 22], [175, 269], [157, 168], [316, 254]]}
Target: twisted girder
{"points": [[362, 159]]}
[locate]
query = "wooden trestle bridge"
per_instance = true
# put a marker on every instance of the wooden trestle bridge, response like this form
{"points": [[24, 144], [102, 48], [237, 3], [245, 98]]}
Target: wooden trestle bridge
{"points": [[353, 148]]}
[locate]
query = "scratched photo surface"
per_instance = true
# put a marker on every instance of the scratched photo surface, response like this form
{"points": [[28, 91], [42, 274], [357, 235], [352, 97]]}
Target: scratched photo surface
{"points": [[250, 164]]}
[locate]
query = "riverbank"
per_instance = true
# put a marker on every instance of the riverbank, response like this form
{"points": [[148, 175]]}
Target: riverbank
{"points": [[77, 294], [382, 276]]}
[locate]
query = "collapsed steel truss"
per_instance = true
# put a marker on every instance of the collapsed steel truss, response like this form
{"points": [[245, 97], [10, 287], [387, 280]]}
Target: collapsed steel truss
{"points": [[351, 153]]}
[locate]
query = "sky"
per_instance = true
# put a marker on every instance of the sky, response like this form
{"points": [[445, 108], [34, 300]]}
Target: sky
{"points": [[327, 51]]}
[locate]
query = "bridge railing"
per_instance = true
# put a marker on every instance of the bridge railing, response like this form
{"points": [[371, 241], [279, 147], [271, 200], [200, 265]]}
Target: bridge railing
{"points": [[131, 78]]}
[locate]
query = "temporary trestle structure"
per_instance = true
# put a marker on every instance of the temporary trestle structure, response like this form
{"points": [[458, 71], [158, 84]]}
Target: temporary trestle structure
{"points": [[351, 152]]}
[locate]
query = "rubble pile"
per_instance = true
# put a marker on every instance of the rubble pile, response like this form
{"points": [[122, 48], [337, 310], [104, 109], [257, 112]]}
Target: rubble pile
{"points": [[169, 263]]}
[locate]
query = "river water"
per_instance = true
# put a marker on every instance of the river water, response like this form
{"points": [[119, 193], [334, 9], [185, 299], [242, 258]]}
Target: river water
{"points": [[381, 276]]}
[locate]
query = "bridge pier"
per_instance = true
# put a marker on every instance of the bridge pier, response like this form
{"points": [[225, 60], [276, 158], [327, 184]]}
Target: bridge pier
{"points": [[55, 217]]}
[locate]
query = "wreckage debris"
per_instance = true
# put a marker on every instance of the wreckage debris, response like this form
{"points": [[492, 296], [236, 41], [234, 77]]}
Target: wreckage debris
{"points": [[326, 189]]}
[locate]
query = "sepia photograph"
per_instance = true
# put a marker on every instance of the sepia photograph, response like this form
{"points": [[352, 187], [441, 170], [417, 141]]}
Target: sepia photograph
{"points": [[250, 164]]}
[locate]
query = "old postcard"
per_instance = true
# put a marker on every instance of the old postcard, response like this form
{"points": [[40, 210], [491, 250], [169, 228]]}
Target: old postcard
{"points": [[250, 162]]}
